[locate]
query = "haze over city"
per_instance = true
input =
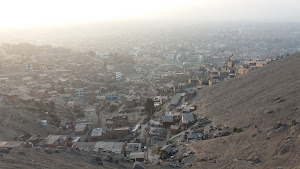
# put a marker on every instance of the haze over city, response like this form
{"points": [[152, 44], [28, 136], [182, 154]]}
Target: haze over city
{"points": [[17, 13], [154, 84]]}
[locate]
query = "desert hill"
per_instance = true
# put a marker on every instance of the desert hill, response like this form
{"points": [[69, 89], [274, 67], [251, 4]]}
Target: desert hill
{"points": [[264, 104], [41, 158]]}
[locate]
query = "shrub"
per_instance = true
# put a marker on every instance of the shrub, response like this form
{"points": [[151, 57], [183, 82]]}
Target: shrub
{"points": [[237, 130]]}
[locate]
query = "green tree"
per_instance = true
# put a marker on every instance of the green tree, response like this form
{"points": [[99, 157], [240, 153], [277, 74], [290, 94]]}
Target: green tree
{"points": [[149, 107], [113, 108]]}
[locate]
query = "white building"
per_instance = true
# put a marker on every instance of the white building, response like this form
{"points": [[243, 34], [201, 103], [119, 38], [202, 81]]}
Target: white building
{"points": [[79, 92], [118, 76], [171, 57]]}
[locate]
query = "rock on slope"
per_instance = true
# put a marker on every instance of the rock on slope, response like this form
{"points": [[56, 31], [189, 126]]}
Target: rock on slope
{"points": [[269, 98]]}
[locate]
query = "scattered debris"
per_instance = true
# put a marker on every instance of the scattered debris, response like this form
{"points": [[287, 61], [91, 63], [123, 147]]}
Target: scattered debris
{"points": [[48, 150], [279, 101], [254, 159]]}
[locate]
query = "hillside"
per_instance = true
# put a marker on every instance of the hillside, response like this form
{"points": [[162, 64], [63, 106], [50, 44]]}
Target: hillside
{"points": [[17, 119], [268, 98], [40, 158]]}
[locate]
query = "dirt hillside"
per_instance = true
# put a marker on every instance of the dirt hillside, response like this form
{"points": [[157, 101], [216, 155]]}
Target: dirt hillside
{"points": [[269, 98], [62, 159]]}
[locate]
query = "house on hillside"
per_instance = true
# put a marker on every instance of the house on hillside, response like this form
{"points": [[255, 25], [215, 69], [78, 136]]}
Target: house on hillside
{"points": [[188, 109], [11, 145], [117, 122], [167, 149], [84, 146], [213, 81], [167, 120], [176, 99], [53, 141], [132, 147], [27, 99], [80, 128], [97, 133], [187, 118], [110, 147], [174, 129], [137, 156]]}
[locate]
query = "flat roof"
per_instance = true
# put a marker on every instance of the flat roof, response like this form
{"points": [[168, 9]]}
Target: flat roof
{"points": [[135, 155], [10, 144], [115, 147], [51, 139], [85, 145], [80, 127], [96, 132], [187, 117]]}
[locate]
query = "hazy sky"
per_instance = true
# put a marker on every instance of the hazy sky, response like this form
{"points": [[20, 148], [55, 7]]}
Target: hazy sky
{"points": [[28, 13]]}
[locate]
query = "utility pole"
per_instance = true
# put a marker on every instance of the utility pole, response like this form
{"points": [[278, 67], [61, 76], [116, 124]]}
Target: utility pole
{"points": [[98, 114]]}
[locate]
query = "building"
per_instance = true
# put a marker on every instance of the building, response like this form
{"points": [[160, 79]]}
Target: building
{"points": [[112, 96], [34, 139], [213, 81], [27, 99], [242, 71], [117, 122], [85, 146], [110, 147], [167, 148], [176, 99], [137, 156], [13, 94], [174, 129], [187, 118], [53, 141], [79, 92], [132, 147], [97, 133], [188, 109], [80, 128], [167, 120], [11, 145], [156, 131], [118, 76]]}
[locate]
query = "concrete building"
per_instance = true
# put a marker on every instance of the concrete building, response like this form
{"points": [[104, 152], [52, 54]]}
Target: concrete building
{"points": [[176, 99], [137, 156], [112, 147], [118, 76], [187, 118], [79, 92], [11, 145]]}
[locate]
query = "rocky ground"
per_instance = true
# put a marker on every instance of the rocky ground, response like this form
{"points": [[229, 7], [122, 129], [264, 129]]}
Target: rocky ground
{"points": [[17, 119], [47, 158]]}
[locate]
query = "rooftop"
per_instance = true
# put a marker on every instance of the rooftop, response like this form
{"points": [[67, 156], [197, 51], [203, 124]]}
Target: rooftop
{"points": [[187, 117], [115, 147], [97, 132]]}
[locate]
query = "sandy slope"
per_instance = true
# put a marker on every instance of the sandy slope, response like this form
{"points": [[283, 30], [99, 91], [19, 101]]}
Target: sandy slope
{"points": [[64, 159], [251, 100]]}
